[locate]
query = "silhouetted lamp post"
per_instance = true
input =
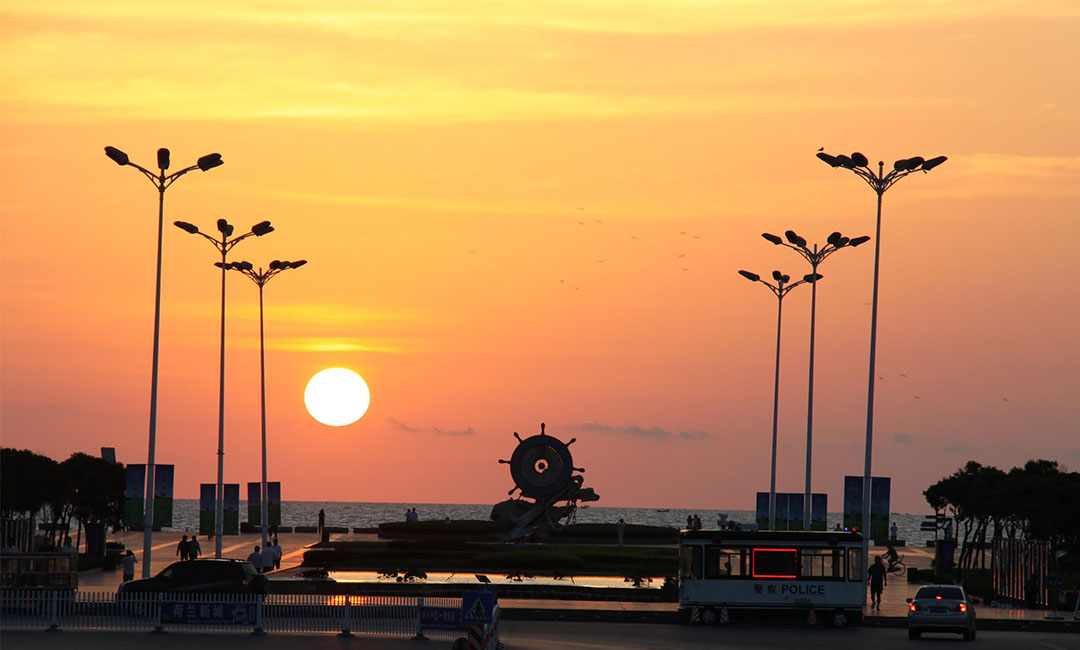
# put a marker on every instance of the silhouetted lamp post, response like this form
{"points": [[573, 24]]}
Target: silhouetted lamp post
{"points": [[780, 289], [161, 181], [223, 245], [260, 278], [835, 242], [880, 183]]}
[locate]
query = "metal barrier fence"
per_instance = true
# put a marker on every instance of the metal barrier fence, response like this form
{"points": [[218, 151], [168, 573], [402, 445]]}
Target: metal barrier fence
{"points": [[344, 614]]}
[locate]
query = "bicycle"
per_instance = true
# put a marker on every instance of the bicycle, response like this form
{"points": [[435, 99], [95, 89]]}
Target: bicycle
{"points": [[897, 567]]}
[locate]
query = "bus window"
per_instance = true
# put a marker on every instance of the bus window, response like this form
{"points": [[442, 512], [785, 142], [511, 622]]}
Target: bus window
{"points": [[821, 563], [690, 562], [774, 562], [722, 562], [855, 564]]}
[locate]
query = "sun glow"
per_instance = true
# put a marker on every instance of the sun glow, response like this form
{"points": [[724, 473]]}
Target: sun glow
{"points": [[337, 397]]}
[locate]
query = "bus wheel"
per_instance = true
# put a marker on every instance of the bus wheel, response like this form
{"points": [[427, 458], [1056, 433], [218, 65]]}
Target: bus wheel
{"points": [[839, 618], [708, 616]]}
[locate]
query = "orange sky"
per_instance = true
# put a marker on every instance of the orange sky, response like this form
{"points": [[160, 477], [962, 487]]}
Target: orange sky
{"points": [[525, 212]]}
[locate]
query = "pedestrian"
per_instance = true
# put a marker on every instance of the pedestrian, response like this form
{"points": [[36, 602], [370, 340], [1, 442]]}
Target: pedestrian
{"points": [[620, 525], [277, 554], [129, 563], [194, 548], [322, 520], [183, 549], [255, 557], [68, 547], [689, 522], [266, 559], [877, 578], [892, 532], [697, 522]]}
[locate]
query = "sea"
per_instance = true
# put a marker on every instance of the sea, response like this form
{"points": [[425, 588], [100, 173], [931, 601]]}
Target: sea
{"points": [[371, 514]]}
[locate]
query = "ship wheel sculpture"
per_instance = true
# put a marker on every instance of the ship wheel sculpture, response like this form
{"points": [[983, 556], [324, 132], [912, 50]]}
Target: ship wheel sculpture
{"points": [[542, 468]]}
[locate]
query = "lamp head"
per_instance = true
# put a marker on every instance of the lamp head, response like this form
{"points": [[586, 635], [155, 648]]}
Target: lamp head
{"points": [[262, 228], [859, 159], [224, 227], [859, 240], [777, 276], [187, 227], [773, 238], [163, 159], [845, 161], [117, 156], [933, 162], [297, 264], [210, 161], [833, 238], [753, 277], [812, 277], [275, 265], [831, 160], [784, 279]]}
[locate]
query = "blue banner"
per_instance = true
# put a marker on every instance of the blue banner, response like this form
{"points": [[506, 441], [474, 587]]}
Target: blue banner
{"points": [[273, 503], [819, 511], [230, 518], [853, 502], [441, 618], [207, 513], [163, 495], [203, 613], [254, 503], [763, 510], [134, 488], [879, 507]]}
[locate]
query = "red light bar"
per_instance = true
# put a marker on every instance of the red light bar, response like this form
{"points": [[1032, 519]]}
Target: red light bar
{"points": [[753, 562]]}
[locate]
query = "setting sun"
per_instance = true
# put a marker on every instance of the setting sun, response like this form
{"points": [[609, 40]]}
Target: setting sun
{"points": [[337, 397]]}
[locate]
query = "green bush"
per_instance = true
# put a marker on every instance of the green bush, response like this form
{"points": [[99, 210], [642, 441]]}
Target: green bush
{"points": [[531, 560]]}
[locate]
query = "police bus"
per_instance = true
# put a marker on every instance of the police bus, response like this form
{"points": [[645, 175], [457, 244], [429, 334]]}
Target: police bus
{"points": [[722, 572]]}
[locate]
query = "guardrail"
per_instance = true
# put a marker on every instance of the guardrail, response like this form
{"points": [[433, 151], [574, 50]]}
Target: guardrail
{"points": [[347, 615]]}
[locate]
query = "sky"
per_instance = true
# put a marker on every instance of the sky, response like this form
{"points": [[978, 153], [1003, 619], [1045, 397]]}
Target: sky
{"points": [[520, 212]]}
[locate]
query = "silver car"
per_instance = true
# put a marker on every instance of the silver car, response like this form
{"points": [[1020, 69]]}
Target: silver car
{"points": [[941, 608]]}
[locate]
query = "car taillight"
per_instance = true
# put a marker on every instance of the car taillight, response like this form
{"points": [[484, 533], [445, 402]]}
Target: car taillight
{"points": [[961, 607], [914, 607]]}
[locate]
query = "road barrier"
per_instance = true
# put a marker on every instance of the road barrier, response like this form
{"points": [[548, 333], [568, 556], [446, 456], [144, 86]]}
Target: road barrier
{"points": [[417, 616]]}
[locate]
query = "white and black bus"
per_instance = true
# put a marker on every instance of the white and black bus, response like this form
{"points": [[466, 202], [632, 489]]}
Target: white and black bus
{"points": [[722, 572]]}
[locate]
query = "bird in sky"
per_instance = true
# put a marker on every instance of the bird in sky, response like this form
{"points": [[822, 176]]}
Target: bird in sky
{"points": [[821, 148]]}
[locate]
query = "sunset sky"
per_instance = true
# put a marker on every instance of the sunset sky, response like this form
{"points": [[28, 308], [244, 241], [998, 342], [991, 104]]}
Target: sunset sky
{"points": [[517, 212]]}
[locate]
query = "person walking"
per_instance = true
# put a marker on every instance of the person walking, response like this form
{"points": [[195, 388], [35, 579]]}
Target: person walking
{"points": [[322, 520], [620, 526], [194, 548], [183, 549], [877, 578], [266, 559], [277, 553], [255, 557], [129, 563], [892, 532]]}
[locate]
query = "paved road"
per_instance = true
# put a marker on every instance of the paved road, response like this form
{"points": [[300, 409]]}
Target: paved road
{"points": [[528, 635]]}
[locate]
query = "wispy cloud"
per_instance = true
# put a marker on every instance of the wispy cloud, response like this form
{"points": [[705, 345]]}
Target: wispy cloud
{"points": [[401, 426], [905, 438], [467, 431], [636, 431]]}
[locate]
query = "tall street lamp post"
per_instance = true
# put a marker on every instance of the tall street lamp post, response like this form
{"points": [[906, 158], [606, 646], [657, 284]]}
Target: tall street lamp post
{"points": [[161, 181], [835, 242], [260, 278], [780, 289], [223, 245], [879, 182]]}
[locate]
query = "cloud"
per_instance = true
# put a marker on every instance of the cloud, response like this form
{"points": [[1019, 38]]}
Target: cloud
{"points": [[636, 431], [905, 438], [467, 431], [401, 426]]}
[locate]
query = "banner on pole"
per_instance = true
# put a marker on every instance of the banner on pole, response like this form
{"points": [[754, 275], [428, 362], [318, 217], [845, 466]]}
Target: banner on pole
{"points": [[254, 503], [273, 503], [230, 518], [207, 512], [134, 488], [163, 495]]}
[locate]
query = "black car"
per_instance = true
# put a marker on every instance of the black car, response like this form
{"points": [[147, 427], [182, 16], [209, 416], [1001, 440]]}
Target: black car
{"points": [[201, 576]]}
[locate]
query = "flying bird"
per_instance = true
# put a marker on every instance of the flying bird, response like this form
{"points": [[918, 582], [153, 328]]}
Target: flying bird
{"points": [[821, 148]]}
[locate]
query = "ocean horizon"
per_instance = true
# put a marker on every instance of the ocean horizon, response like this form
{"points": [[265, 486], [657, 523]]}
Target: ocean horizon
{"points": [[360, 514]]}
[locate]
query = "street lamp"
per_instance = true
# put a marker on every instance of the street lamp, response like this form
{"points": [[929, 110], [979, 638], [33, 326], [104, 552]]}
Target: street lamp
{"points": [[162, 182], [261, 278], [835, 242], [223, 245], [780, 289], [879, 182]]}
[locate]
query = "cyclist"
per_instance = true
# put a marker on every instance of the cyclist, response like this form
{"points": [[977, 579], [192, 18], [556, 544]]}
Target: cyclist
{"points": [[891, 555]]}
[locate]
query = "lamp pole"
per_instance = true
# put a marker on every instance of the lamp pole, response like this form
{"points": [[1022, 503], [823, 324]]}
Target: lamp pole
{"points": [[161, 181], [835, 242], [223, 245], [780, 289], [880, 183], [260, 278]]}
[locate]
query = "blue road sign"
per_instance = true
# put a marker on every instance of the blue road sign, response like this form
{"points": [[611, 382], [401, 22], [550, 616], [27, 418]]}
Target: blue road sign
{"points": [[207, 612], [441, 618], [477, 606]]}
